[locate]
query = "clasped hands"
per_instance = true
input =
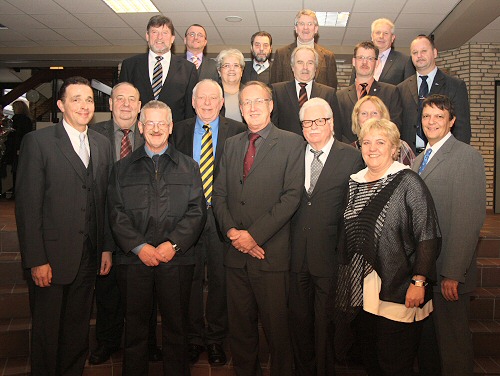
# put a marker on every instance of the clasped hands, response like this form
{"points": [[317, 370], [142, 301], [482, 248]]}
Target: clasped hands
{"points": [[151, 256], [245, 243]]}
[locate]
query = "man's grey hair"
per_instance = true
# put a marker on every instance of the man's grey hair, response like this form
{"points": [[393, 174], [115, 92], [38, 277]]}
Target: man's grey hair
{"points": [[316, 102], [210, 81], [304, 47], [157, 105]]}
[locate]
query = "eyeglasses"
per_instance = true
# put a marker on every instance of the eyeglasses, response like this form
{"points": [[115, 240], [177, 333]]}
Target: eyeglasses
{"points": [[193, 34], [367, 58], [319, 122], [229, 66], [152, 124], [255, 102]]}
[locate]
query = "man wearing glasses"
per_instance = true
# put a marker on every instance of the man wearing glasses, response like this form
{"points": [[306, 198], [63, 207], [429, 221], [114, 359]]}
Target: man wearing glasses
{"points": [[196, 40], [306, 29], [364, 61], [257, 191], [157, 211], [328, 165]]}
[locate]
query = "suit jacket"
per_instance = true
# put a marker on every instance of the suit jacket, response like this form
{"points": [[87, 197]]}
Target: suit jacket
{"points": [[443, 84], [315, 224], [348, 97], [456, 179], [50, 191], [263, 204], [183, 135], [286, 104], [249, 74], [107, 128], [326, 73], [398, 67], [208, 69], [177, 89]]}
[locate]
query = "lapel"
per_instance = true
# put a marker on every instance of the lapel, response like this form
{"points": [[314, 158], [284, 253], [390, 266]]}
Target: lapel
{"points": [[412, 85], [239, 153], [221, 138], [292, 96], [64, 144], [173, 70], [265, 148], [184, 136], [388, 64], [109, 129], [94, 153], [315, 91], [352, 94], [138, 139], [438, 85], [439, 157], [375, 89], [331, 165], [144, 73]]}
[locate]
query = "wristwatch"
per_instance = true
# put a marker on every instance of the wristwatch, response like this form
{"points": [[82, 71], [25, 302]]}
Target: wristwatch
{"points": [[419, 282], [174, 246]]}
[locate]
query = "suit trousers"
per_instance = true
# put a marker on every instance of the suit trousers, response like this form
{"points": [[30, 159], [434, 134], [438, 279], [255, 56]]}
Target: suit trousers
{"points": [[137, 284], [60, 321], [454, 338], [251, 294], [312, 350], [210, 252]]}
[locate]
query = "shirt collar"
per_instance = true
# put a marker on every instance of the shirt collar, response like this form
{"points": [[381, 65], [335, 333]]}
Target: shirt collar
{"points": [[189, 56]]}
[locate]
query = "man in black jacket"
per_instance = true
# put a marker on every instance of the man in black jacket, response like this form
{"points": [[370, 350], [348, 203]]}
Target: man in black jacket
{"points": [[157, 211]]}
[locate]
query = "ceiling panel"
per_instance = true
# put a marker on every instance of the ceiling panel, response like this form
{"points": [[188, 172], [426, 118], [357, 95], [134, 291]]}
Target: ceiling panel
{"points": [[281, 5], [430, 6], [183, 20], [100, 19], [80, 34], [55, 21], [7, 8], [85, 6], [38, 6], [248, 19], [20, 22], [285, 18], [228, 5]]}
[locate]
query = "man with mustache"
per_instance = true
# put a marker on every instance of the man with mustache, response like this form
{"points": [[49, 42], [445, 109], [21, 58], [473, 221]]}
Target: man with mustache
{"points": [[159, 74], [260, 69], [288, 97], [430, 80], [364, 61]]}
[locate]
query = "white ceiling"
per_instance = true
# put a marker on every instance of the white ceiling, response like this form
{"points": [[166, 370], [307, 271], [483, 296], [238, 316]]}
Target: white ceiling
{"points": [[89, 32]]}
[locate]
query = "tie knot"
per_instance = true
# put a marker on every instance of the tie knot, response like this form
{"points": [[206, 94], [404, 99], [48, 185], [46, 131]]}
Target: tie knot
{"points": [[207, 127], [317, 153], [427, 153], [252, 137], [125, 132], [302, 84], [159, 58], [194, 58], [363, 85], [82, 137], [424, 78]]}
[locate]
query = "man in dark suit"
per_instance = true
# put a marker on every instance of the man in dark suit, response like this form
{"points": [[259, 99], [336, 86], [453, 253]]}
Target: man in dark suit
{"points": [[196, 40], [188, 136], [364, 61], [60, 197], [260, 70], [306, 28], [454, 173], [314, 237], [159, 74], [287, 95], [424, 54], [256, 193], [124, 136], [393, 66], [156, 212]]}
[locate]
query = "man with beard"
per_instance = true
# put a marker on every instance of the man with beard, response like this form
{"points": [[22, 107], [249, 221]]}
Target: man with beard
{"points": [[261, 47], [160, 75]]}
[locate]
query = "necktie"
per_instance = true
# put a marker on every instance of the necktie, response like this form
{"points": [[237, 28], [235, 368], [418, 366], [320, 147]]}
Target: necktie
{"points": [[316, 167], [259, 68], [250, 155], [82, 151], [422, 94], [196, 61], [125, 146], [302, 94], [378, 70], [207, 163], [363, 90], [424, 162], [156, 84]]}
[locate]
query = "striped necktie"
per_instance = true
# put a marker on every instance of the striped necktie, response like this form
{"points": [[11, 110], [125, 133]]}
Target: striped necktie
{"points": [[363, 90], [302, 94], [207, 163], [196, 61], [125, 146], [156, 84]]}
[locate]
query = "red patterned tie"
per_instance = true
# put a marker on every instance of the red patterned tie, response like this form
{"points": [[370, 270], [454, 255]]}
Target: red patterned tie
{"points": [[250, 155], [126, 146], [302, 94]]}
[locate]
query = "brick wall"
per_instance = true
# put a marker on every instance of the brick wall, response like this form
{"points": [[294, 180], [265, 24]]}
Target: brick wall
{"points": [[479, 66]]}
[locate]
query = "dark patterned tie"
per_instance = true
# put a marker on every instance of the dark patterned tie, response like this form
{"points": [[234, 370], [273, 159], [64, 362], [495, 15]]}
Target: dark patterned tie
{"points": [[207, 163], [363, 90], [156, 84], [316, 167], [302, 94], [425, 160], [126, 146], [422, 94], [250, 155]]}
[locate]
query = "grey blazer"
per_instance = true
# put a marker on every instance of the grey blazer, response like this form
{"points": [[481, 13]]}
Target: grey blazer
{"points": [[456, 179], [263, 204]]}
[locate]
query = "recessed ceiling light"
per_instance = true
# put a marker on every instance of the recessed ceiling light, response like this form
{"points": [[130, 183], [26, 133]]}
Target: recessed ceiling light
{"points": [[333, 19], [233, 19], [131, 6]]}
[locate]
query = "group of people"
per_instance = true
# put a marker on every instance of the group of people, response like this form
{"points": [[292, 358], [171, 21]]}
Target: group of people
{"points": [[242, 177]]}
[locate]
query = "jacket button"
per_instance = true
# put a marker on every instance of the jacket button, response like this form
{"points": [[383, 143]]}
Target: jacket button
{"points": [[84, 187], [242, 202], [309, 203]]}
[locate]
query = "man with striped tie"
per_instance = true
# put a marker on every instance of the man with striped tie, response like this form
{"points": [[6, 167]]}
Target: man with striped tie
{"points": [[159, 74], [196, 41], [203, 137], [156, 213]]}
